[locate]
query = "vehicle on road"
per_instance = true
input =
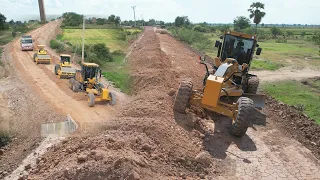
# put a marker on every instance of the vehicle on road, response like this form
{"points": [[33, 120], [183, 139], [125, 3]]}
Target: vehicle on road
{"points": [[64, 69], [41, 56], [228, 87], [26, 43], [88, 79]]}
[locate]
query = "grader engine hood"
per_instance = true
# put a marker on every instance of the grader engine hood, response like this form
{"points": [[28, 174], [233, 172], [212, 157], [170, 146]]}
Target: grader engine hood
{"points": [[212, 91]]}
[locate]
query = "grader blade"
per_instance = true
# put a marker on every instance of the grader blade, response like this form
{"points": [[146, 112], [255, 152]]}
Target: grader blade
{"points": [[258, 99]]}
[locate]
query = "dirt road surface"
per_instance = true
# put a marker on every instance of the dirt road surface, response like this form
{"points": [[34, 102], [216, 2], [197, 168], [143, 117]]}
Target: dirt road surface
{"points": [[148, 140], [286, 73]]}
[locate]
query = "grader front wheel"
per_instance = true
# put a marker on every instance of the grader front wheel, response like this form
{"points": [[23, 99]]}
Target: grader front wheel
{"points": [[243, 119], [182, 97]]}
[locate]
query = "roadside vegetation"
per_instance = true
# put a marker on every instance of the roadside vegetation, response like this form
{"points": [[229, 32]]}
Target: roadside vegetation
{"points": [[11, 29], [304, 96]]}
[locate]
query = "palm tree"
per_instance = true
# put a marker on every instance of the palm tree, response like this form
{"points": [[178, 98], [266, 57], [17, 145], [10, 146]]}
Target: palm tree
{"points": [[256, 13]]}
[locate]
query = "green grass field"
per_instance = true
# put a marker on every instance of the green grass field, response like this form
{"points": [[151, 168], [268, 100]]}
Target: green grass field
{"points": [[111, 37], [297, 94], [115, 39], [117, 72], [5, 37]]}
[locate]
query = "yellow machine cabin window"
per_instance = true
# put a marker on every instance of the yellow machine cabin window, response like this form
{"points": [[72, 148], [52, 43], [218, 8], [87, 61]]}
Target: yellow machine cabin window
{"points": [[238, 48]]}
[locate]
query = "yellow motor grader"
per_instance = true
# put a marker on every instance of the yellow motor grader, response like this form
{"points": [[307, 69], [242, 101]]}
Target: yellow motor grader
{"points": [[228, 88], [64, 69], [41, 56], [88, 79]]}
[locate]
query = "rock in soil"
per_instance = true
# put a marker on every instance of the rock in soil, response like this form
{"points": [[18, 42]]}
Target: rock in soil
{"points": [[82, 158], [204, 158]]}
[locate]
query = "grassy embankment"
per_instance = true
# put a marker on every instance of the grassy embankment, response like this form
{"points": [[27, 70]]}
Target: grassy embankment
{"points": [[117, 41], [304, 96]]}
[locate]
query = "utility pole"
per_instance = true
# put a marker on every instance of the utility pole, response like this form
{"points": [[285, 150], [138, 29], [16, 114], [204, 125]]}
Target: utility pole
{"points": [[83, 27], [134, 15], [42, 11]]}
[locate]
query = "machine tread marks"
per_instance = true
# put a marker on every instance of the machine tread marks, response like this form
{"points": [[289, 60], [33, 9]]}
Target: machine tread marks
{"points": [[91, 99], [56, 68], [253, 84], [113, 98], [243, 119], [183, 96]]}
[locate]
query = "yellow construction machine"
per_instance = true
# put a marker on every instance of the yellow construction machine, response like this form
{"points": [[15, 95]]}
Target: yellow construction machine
{"points": [[228, 88], [64, 69], [89, 79], [41, 56]]}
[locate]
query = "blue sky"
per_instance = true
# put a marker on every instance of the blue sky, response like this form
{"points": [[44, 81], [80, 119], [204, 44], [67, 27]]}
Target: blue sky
{"points": [[214, 11]]}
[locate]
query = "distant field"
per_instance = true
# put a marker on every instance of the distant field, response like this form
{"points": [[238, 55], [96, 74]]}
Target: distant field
{"points": [[296, 31], [113, 38], [298, 53], [301, 95]]}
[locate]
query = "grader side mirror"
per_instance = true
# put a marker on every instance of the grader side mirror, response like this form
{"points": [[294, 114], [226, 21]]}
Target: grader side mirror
{"points": [[221, 37], [258, 51], [100, 73], [217, 44]]}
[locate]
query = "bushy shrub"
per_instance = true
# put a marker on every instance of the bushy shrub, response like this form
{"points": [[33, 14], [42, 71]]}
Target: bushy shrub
{"points": [[200, 28], [54, 44], [198, 39]]}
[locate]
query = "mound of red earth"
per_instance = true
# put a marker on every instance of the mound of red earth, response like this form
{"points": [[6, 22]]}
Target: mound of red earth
{"points": [[144, 141], [295, 124]]}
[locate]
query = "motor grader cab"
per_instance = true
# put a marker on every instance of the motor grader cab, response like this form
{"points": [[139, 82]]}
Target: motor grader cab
{"points": [[64, 69], [41, 56], [88, 79], [241, 47], [223, 92]]}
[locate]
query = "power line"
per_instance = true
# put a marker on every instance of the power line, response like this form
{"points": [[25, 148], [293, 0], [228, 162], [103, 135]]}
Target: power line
{"points": [[134, 15]]}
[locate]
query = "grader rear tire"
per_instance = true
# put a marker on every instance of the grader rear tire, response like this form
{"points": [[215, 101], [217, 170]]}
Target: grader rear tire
{"points": [[91, 99], [243, 119], [56, 68], [113, 98], [181, 100], [253, 84], [71, 83], [75, 86], [34, 57]]}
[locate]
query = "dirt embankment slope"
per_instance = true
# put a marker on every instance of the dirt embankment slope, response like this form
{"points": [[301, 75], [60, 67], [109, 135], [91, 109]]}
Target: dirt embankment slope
{"points": [[149, 141]]}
